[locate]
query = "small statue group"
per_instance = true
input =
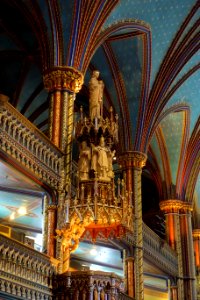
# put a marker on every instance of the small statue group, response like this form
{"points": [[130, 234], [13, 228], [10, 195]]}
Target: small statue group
{"points": [[97, 158]]}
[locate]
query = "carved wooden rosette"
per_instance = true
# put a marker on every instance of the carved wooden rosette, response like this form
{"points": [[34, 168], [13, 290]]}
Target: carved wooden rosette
{"points": [[132, 163]]}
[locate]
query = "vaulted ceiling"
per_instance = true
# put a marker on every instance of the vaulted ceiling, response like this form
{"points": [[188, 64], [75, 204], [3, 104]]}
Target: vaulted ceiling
{"points": [[148, 56]]}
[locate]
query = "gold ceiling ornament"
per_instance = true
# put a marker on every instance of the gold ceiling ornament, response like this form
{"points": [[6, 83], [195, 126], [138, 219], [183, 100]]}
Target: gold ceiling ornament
{"points": [[133, 159], [63, 77], [170, 206], [196, 234]]}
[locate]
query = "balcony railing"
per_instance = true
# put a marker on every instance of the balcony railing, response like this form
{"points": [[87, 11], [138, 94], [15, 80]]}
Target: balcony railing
{"points": [[159, 252], [26, 144], [24, 272], [89, 285]]}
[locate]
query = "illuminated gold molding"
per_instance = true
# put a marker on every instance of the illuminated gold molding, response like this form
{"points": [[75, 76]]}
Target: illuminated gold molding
{"points": [[196, 234], [52, 207], [133, 159], [187, 207], [171, 205], [63, 77], [175, 206]]}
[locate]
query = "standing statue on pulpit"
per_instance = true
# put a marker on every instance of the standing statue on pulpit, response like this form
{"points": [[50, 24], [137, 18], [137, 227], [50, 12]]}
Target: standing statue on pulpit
{"points": [[84, 161], [101, 161], [96, 88]]}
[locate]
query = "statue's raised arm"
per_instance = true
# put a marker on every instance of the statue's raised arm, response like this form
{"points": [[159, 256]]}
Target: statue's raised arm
{"points": [[96, 88]]}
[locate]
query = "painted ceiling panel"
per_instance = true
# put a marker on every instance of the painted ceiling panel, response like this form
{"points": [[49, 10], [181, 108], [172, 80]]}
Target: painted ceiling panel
{"points": [[7, 43], [156, 150], [32, 80], [189, 93], [189, 65], [172, 127], [45, 13], [11, 178], [66, 9], [40, 98], [10, 70], [17, 190], [128, 53], [99, 254], [10, 203], [43, 116], [157, 14]]}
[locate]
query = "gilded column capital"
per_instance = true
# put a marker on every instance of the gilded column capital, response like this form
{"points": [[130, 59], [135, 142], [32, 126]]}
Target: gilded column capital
{"points": [[187, 207], [133, 159], [196, 234], [52, 207], [171, 206], [63, 77]]}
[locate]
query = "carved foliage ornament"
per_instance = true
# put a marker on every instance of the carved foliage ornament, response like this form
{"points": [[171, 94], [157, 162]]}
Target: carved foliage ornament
{"points": [[133, 159], [175, 206], [63, 77]]}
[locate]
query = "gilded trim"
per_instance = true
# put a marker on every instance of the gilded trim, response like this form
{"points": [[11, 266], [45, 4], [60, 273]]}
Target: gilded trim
{"points": [[63, 78]]}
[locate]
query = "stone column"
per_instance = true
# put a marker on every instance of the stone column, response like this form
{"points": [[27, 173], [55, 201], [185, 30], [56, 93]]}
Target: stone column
{"points": [[45, 224], [62, 83], [174, 292], [132, 163], [171, 209], [188, 252], [51, 241], [130, 276], [196, 241]]}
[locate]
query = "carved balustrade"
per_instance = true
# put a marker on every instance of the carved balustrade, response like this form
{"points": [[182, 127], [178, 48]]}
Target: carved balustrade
{"points": [[159, 252], [89, 285], [24, 272], [156, 251], [20, 139]]}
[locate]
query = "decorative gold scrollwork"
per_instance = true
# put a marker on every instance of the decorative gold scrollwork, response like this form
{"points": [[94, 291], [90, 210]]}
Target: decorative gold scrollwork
{"points": [[63, 77]]}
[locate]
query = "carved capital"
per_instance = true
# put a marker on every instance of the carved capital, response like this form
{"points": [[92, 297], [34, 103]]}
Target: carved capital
{"points": [[171, 206], [63, 78], [52, 207], [133, 159], [196, 234], [187, 207]]}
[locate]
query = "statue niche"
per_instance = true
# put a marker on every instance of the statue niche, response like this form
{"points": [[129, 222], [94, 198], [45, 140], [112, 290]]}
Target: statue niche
{"points": [[96, 136]]}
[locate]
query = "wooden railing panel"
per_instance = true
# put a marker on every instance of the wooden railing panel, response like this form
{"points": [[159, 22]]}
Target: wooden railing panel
{"points": [[24, 272]]}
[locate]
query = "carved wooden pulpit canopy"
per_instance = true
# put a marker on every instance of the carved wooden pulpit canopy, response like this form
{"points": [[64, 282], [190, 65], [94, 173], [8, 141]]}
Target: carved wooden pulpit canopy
{"points": [[101, 207]]}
